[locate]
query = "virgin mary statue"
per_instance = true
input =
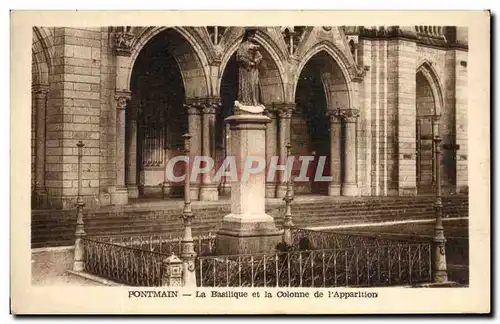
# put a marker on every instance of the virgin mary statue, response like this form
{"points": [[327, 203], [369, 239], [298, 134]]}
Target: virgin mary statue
{"points": [[249, 58]]}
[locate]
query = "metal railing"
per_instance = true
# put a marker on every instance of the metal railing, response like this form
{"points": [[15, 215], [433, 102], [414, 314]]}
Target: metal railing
{"points": [[305, 239], [375, 265], [136, 260], [203, 244]]}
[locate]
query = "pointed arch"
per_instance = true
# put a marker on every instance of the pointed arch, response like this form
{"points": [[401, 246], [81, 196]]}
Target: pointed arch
{"points": [[427, 70], [272, 66], [336, 55], [42, 55], [192, 59]]}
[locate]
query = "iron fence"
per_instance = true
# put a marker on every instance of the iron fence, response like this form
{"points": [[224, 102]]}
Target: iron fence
{"points": [[375, 265], [305, 239], [136, 260], [203, 245], [123, 264]]}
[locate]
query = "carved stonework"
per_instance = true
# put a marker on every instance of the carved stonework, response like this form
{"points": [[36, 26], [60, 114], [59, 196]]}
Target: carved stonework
{"points": [[209, 109], [192, 109], [334, 116], [358, 72], [349, 115], [123, 42], [284, 111], [40, 91], [122, 98]]}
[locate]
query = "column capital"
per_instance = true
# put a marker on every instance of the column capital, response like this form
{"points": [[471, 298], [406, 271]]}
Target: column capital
{"points": [[334, 115], [122, 43], [192, 109], [283, 110], [40, 90], [122, 97], [349, 115]]}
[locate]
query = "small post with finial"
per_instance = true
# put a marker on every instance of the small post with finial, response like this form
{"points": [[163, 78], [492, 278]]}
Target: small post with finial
{"points": [[439, 275], [287, 222], [188, 254], [80, 228]]}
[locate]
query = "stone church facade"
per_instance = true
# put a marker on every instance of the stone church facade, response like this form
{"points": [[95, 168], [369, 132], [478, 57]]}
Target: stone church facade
{"points": [[370, 99]]}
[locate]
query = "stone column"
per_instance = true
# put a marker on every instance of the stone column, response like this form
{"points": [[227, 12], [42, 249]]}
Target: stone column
{"points": [[194, 121], [271, 138], [350, 186], [119, 193], [335, 150], [285, 115], [248, 229], [40, 192], [208, 190], [131, 142], [226, 185]]}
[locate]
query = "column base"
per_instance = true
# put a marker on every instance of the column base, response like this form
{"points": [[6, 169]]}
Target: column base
{"points": [[119, 195], [247, 234], [40, 198], [334, 190], [166, 191], [194, 191], [209, 192], [225, 189], [407, 191], [281, 190], [350, 190], [133, 192], [271, 190]]}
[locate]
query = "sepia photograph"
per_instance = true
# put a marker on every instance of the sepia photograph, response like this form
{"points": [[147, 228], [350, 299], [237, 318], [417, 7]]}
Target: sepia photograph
{"points": [[184, 161]]}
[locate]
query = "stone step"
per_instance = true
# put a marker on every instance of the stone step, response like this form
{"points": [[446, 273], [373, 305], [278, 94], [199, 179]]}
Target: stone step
{"points": [[55, 228]]}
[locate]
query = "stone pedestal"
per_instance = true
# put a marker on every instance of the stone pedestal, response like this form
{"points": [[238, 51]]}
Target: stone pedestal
{"points": [[119, 195], [133, 191], [248, 229]]}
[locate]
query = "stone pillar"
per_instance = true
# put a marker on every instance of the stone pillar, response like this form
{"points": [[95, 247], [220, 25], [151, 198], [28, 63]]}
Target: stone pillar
{"points": [[119, 193], [208, 190], [350, 185], [335, 150], [271, 138], [40, 192], [248, 229], [131, 142], [285, 115], [226, 185], [194, 121]]}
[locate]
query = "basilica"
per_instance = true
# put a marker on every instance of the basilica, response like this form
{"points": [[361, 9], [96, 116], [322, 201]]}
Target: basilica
{"points": [[371, 99]]}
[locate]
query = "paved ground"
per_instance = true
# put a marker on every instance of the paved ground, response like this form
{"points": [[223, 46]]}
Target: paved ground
{"points": [[48, 268], [457, 241]]}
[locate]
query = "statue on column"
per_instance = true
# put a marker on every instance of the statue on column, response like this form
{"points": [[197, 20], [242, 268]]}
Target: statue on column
{"points": [[249, 59]]}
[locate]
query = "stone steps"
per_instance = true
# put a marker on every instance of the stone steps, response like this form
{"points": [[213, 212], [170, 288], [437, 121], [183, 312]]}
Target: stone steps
{"points": [[56, 228]]}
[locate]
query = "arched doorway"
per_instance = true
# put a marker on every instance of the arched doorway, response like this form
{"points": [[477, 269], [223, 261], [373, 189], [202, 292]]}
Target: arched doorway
{"points": [[271, 92], [321, 89], [156, 109], [426, 111]]}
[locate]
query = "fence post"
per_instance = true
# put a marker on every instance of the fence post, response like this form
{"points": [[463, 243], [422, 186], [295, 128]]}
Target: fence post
{"points": [[188, 255], [80, 228], [439, 274], [287, 222], [172, 272]]}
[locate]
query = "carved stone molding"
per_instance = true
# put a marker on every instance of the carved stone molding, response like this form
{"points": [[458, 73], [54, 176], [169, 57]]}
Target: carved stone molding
{"points": [[349, 115], [209, 110], [40, 90], [122, 97], [358, 72], [192, 109], [283, 110], [334, 116], [122, 43]]}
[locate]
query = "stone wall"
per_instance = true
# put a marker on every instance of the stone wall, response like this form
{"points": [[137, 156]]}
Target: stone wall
{"points": [[82, 75]]}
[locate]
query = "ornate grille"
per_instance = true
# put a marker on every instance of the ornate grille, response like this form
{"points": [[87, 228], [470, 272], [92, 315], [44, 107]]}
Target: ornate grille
{"points": [[397, 264]]}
